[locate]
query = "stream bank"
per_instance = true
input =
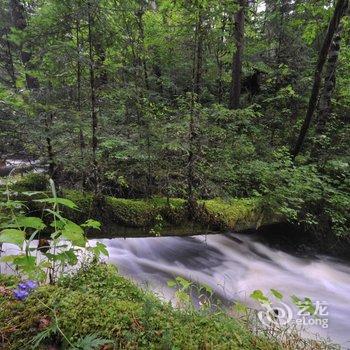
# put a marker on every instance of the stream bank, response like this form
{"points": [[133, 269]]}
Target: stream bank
{"points": [[149, 216]]}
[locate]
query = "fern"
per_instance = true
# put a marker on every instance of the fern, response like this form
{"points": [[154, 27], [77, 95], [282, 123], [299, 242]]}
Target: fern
{"points": [[90, 342]]}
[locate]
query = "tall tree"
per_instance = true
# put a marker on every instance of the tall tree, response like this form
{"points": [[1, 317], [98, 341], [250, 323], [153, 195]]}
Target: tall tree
{"points": [[197, 81], [93, 101], [333, 26], [329, 83], [19, 22], [236, 71]]}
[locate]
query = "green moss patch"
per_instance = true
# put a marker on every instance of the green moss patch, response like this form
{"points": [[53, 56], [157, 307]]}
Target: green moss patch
{"points": [[30, 182], [155, 215], [98, 301], [131, 212], [237, 214]]}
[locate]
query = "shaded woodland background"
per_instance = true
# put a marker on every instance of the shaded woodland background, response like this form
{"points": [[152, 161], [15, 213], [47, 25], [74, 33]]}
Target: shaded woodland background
{"points": [[191, 99]]}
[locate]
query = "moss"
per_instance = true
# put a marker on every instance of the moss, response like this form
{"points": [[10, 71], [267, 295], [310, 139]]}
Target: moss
{"points": [[215, 214], [172, 210], [144, 212], [31, 182], [8, 280], [236, 214], [99, 301], [131, 212]]}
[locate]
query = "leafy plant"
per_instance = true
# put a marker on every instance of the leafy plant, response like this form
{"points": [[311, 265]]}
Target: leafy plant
{"points": [[183, 287], [63, 240]]}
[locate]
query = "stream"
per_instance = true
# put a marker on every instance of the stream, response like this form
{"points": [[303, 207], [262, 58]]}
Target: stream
{"points": [[234, 265]]}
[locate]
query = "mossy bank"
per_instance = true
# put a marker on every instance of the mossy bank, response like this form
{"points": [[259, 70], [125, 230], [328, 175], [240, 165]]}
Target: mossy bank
{"points": [[97, 302], [152, 216]]}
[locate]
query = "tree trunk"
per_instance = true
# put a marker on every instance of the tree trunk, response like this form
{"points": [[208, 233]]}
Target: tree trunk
{"points": [[9, 62], [329, 84], [143, 64], [339, 11], [192, 132], [220, 64], [93, 106], [236, 76], [81, 135], [19, 22], [199, 56], [191, 198]]}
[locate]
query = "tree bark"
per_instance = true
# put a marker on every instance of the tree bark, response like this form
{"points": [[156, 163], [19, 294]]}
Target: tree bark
{"points": [[199, 56], [9, 61], [236, 73], [19, 22], [220, 64], [78, 48], [339, 11], [143, 64], [191, 197], [329, 84], [93, 105], [50, 153], [192, 132]]}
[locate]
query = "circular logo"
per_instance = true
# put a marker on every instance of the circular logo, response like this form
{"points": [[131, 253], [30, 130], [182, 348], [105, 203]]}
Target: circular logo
{"points": [[277, 314]]}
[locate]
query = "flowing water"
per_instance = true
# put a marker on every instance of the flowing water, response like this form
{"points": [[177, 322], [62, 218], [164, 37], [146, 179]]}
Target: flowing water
{"points": [[233, 266]]}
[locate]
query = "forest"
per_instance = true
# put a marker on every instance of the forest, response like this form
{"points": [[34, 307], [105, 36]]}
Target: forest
{"points": [[169, 117]]}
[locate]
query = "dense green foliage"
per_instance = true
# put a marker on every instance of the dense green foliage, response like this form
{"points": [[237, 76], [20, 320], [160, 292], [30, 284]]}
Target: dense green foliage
{"points": [[64, 242], [130, 99]]}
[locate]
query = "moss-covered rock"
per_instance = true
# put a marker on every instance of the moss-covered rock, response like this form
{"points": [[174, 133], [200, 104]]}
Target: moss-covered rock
{"points": [[30, 182], [98, 301], [237, 214], [131, 212], [158, 212]]}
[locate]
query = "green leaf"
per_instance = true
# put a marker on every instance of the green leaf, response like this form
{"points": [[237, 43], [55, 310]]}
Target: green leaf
{"points": [[295, 300], [185, 284], [92, 223], [99, 249], [13, 236], [276, 294], [64, 201], [259, 296], [30, 221], [171, 283], [68, 256], [91, 342], [25, 262], [74, 233], [240, 308]]}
